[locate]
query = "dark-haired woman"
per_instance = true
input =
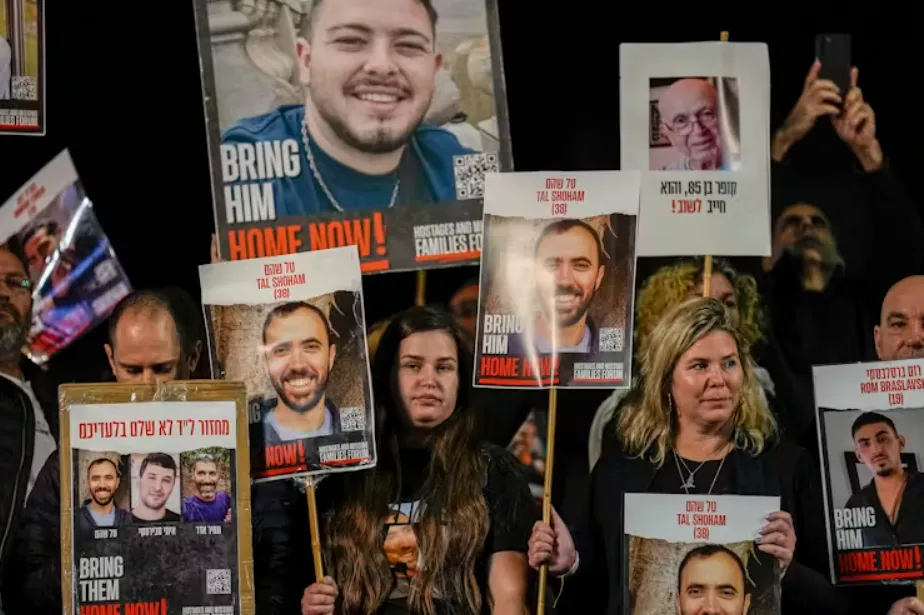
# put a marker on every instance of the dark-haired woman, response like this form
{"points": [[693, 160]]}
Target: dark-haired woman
{"points": [[441, 524]]}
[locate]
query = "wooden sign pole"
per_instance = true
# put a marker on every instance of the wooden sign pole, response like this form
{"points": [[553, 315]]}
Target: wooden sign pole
{"points": [[547, 489], [315, 531], [707, 265]]}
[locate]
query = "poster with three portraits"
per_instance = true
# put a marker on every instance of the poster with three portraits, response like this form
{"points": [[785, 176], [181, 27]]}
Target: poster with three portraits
{"points": [[355, 122], [155, 499]]}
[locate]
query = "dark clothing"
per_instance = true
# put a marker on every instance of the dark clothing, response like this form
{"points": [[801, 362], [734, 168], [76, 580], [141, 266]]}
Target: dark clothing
{"points": [[86, 522], [17, 439], [909, 526], [33, 586], [879, 235], [783, 470], [169, 517], [511, 510]]}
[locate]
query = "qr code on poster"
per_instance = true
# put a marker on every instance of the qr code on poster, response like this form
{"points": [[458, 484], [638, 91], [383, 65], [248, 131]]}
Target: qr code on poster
{"points": [[352, 419], [612, 339], [23, 88], [218, 582], [469, 172]]}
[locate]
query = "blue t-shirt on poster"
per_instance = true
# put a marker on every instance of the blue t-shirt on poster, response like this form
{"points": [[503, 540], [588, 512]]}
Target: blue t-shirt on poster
{"points": [[426, 171], [195, 509]]}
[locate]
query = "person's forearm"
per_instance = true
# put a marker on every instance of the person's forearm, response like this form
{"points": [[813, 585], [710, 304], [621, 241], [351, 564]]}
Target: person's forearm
{"points": [[510, 606], [780, 146]]}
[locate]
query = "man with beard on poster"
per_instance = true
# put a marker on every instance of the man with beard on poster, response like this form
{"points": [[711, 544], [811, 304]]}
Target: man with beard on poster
{"points": [[712, 580], [369, 70], [208, 503], [896, 493], [157, 479], [100, 510], [299, 352], [568, 264]]}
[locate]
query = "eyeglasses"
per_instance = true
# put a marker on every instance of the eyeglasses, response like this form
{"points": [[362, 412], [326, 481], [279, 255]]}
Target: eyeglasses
{"points": [[683, 124], [17, 283]]}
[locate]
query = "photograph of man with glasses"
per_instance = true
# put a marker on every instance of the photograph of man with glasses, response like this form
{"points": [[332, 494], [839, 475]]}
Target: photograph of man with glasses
{"points": [[693, 124]]}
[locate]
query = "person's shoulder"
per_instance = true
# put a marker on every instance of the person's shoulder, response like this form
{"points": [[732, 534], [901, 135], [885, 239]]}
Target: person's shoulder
{"points": [[434, 138], [279, 123]]}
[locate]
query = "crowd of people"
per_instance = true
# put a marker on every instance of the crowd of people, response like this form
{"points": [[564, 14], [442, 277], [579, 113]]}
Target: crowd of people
{"points": [[722, 384]]}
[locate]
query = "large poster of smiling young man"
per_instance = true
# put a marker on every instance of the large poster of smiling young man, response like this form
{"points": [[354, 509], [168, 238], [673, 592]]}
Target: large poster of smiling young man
{"points": [[355, 122]]}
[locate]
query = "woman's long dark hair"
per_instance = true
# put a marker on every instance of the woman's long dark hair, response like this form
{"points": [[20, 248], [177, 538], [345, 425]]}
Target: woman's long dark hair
{"points": [[454, 522]]}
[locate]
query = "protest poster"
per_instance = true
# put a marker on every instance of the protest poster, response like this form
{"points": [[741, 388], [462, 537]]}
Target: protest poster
{"points": [[353, 123], [871, 434], [22, 67], [74, 275], [293, 330], [155, 499], [557, 276], [691, 554], [695, 117]]}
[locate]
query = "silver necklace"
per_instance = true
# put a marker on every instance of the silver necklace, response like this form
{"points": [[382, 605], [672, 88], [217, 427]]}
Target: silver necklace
{"points": [[688, 482], [320, 180]]}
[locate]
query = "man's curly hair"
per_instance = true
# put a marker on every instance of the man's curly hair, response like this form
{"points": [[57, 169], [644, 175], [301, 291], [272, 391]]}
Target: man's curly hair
{"points": [[671, 284]]}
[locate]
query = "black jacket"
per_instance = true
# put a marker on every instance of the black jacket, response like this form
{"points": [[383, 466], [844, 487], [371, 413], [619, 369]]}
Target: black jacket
{"points": [[783, 470], [17, 439]]}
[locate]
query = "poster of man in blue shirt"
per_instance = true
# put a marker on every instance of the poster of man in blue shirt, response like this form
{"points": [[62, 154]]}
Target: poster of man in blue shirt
{"points": [[388, 104]]}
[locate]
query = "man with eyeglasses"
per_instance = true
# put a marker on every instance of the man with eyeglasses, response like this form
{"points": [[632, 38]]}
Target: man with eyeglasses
{"points": [[28, 414], [842, 235], [689, 120]]}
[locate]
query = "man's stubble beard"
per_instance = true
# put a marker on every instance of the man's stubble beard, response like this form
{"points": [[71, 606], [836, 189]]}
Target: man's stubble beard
{"points": [[309, 404], [382, 143], [582, 310], [12, 334]]}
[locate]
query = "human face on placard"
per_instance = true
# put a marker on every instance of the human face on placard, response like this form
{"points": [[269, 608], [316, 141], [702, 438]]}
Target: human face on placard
{"points": [[712, 585], [370, 69], [428, 378], [156, 485], [879, 448], [103, 482], [689, 120], [707, 380], [299, 356], [568, 275]]}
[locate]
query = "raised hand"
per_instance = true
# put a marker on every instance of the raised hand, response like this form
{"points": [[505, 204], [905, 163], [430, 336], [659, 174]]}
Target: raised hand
{"points": [[856, 125], [819, 97]]}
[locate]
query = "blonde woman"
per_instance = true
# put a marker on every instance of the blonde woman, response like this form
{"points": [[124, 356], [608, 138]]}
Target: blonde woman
{"points": [[697, 424], [664, 289]]}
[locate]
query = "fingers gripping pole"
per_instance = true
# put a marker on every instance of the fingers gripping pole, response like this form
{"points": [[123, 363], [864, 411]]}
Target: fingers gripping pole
{"points": [[547, 490]]}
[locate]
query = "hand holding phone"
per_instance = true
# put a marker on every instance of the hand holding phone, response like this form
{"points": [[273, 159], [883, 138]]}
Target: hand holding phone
{"points": [[833, 52]]}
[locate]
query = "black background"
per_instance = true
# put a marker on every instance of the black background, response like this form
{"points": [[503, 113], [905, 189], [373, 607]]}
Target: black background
{"points": [[124, 95]]}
